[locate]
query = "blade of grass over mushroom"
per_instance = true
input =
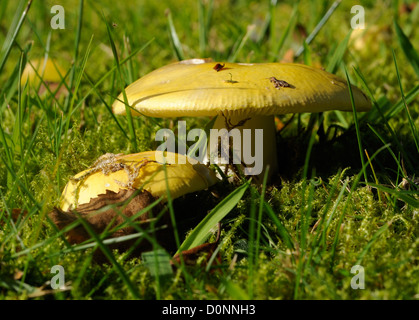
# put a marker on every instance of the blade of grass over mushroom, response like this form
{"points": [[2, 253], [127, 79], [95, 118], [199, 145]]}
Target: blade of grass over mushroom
{"points": [[57, 69], [201, 231], [93, 244], [129, 220], [413, 128]]}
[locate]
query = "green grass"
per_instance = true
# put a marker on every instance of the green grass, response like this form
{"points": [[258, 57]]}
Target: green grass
{"points": [[347, 191]]}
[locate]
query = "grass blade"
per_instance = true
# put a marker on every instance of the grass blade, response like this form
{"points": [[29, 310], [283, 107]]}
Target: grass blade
{"points": [[347, 203], [338, 54], [174, 39], [7, 45], [76, 56], [202, 140], [288, 30], [239, 47], [400, 194], [318, 27], [371, 242], [384, 119], [409, 117], [283, 232], [131, 127], [201, 231], [358, 135], [107, 252], [408, 49]]}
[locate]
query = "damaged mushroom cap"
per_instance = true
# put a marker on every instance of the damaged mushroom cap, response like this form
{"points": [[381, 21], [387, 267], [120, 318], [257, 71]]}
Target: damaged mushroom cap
{"points": [[134, 171], [245, 93]]}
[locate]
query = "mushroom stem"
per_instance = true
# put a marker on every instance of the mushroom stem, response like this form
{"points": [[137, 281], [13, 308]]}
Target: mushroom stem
{"points": [[253, 149]]}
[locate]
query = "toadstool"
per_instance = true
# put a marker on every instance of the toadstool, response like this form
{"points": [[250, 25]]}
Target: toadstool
{"points": [[133, 171], [242, 96], [105, 196], [40, 71]]}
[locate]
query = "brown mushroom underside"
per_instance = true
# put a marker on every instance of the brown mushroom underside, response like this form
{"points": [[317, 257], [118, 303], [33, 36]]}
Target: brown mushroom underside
{"points": [[122, 205]]}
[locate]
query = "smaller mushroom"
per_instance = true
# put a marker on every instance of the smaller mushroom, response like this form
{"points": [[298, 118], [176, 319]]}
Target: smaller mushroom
{"points": [[118, 187], [137, 171], [48, 70], [366, 42]]}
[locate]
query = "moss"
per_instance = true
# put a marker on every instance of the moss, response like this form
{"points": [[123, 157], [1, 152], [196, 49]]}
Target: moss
{"points": [[322, 265]]}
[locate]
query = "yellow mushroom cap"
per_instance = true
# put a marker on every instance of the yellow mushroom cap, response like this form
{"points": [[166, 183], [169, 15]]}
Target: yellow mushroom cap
{"points": [[194, 88], [140, 170], [48, 70]]}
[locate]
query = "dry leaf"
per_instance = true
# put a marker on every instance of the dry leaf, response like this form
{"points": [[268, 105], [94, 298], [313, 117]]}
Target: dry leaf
{"points": [[16, 214], [288, 56], [191, 256]]}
